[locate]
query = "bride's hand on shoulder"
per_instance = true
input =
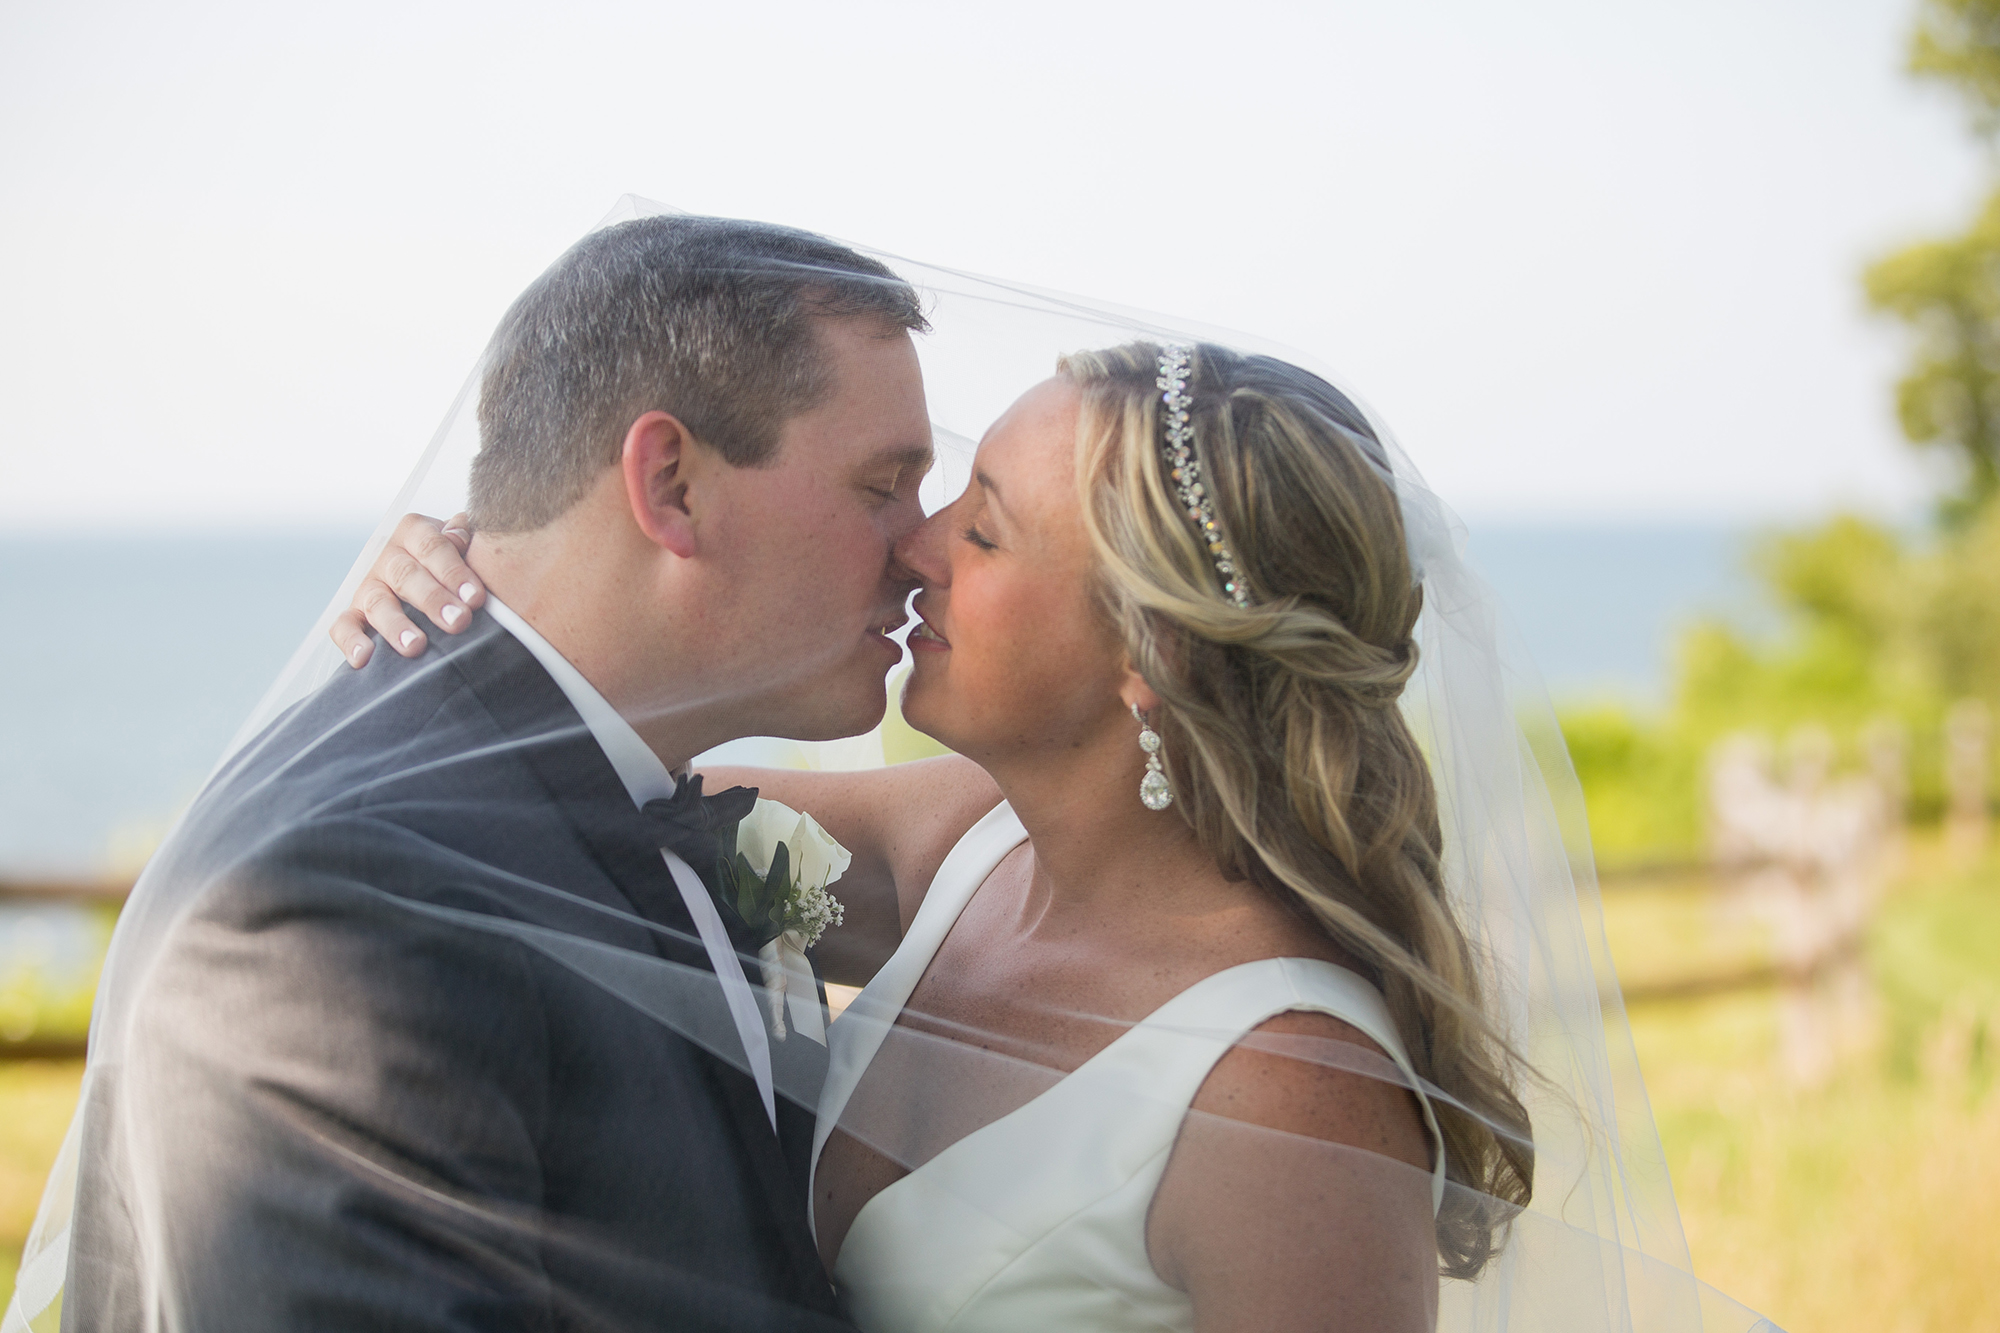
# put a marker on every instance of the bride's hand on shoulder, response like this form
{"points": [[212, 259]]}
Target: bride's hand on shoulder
{"points": [[423, 565]]}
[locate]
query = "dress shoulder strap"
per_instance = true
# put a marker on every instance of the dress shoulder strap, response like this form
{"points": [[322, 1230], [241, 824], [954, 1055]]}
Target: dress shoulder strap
{"points": [[857, 1034], [971, 859]]}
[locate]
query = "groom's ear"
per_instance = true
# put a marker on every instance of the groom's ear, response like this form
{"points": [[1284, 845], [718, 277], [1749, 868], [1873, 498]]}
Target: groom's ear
{"points": [[655, 462]]}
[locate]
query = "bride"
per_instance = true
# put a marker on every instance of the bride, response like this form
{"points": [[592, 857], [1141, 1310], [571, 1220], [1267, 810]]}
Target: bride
{"points": [[1182, 1030]]}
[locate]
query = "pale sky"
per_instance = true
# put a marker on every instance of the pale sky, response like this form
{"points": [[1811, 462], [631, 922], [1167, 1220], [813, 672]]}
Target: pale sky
{"points": [[1591, 260]]}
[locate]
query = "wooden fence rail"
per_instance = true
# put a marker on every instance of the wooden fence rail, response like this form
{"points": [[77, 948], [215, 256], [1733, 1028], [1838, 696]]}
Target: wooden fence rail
{"points": [[1760, 977], [76, 893], [64, 890]]}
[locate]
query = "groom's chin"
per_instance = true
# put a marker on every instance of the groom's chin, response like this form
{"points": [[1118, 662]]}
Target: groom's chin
{"points": [[843, 708]]}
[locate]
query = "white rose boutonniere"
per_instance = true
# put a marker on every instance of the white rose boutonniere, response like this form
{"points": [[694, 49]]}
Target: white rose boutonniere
{"points": [[781, 865]]}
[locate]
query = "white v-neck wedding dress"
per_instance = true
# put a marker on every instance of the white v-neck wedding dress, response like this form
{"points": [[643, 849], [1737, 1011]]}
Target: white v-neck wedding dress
{"points": [[1038, 1220]]}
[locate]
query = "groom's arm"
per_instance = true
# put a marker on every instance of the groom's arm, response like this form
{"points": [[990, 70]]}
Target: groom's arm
{"points": [[334, 1105]]}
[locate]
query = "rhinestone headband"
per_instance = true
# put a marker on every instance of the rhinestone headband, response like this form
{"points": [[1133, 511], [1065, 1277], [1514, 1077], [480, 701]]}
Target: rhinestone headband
{"points": [[1185, 468]]}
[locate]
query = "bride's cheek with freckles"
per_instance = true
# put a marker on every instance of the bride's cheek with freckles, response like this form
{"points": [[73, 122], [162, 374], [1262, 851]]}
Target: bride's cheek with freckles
{"points": [[1031, 644]]}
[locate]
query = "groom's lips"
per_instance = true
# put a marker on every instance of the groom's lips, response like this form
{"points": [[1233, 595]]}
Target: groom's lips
{"points": [[886, 626]]}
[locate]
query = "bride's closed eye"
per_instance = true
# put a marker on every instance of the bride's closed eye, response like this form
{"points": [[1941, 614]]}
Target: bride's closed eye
{"points": [[977, 538]]}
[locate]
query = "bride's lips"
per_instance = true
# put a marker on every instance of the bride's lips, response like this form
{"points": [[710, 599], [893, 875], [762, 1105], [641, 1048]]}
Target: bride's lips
{"points": [[924, 639]]}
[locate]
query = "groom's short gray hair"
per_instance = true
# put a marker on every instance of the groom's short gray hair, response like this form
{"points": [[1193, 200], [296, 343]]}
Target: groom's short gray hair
{"points": [[709, 319]]}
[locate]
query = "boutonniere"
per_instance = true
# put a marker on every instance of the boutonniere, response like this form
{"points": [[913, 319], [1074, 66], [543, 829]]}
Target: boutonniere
{"points": [[777, 868]]}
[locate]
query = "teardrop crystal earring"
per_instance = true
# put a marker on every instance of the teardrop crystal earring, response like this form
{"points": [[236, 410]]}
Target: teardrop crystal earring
{"points": [[1154, 791]]}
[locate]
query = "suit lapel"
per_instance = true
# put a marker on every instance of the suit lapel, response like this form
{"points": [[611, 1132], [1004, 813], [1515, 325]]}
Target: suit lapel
{"points": [[552, 740]]}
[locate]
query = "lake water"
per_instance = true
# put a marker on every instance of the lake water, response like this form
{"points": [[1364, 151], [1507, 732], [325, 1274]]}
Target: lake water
{"points": [[1600, 606], [133, 660]]}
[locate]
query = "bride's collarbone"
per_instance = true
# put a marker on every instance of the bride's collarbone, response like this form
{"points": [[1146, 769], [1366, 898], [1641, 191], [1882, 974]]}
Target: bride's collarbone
{"points": [[1061, 988]]}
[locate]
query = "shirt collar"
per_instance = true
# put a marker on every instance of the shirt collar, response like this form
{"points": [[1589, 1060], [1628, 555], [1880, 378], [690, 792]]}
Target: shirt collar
{"points": [[646, 778], [644, 774]]}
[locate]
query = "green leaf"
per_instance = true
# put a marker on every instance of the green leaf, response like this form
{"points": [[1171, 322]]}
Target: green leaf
{"points": [[747, 891], [776, 882]]}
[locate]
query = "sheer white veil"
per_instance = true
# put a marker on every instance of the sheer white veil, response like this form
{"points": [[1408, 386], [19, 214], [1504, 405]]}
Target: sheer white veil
{"points": [[1600, 1246]]}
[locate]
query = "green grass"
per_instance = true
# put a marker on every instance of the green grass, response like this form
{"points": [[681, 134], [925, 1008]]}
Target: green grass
{"points": [[1870, 1203], [37, 1098], [38, 1003], [1666, 928]]}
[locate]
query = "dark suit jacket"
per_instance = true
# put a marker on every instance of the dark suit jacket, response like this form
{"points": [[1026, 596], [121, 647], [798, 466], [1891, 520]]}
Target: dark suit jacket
{"points": [[318, 1100]]}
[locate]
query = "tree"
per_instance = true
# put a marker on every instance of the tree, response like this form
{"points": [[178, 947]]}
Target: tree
{"points": [[1958, 42], [1948, 291]]}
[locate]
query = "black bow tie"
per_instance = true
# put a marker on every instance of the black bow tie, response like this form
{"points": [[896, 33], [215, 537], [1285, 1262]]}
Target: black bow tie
{"points": [[689, 825]]}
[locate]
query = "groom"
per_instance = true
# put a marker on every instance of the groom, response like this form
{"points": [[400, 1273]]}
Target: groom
{"points": [[378, 1035]]}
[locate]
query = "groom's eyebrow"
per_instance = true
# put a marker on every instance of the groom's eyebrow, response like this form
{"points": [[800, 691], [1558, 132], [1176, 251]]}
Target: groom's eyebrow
{"points": [[919, 456]]}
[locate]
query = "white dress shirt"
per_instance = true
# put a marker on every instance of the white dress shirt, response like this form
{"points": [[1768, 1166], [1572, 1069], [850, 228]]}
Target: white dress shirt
{"points": [[646, 779]]}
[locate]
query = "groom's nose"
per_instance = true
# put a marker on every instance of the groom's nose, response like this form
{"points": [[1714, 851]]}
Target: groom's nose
{"points": [[904, 518], [914, 559], [900, 575]]}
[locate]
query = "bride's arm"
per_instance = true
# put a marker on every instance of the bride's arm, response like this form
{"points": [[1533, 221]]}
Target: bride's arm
{"points": [[1298, 1195], [898, 822]]}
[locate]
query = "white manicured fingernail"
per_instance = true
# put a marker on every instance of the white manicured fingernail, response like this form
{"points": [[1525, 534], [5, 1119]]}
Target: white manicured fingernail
{"points": [[468, 590], [357, 650], [409, 637], [451, 614]]}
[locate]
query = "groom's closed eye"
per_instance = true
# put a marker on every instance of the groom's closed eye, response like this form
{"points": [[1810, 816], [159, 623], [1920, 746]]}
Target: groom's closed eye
{"points": [[896, 475]]}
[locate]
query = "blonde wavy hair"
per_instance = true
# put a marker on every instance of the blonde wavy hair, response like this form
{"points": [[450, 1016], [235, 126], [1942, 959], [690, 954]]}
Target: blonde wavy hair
{"points": [[1284, 744]]}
